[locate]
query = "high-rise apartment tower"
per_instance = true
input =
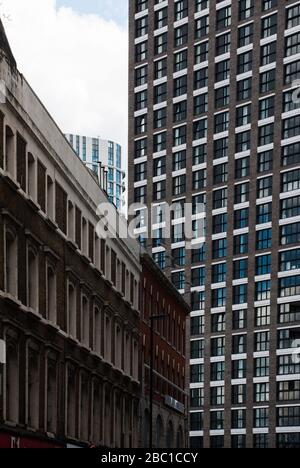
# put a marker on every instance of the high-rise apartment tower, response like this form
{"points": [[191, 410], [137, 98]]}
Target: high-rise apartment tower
{"points": [[214, 120]]}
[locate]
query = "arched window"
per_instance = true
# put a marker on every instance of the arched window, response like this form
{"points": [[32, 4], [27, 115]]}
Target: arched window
{"points": [[32, 177], [97, 330], [71, 221], [72, 326], [50, 198], [179, 441], [51, 295], [170, 436], [84, 247], [84, 408], [96, 413], [9, 151], [71, 403], [107, 417], [85, 321], [33, 389], [32, 279], [159, 433], [118, 348], [108, 338], [12, 383], [146, 429], [51, 396], [11, 263]]}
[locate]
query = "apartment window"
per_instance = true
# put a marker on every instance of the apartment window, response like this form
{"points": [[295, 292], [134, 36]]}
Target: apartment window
{"points": [[268, 4], [217, 371], [201, 27], [261, 393], [201, 52], [239, 394], [217, 396], [198, 277], [141, 26], [200, 78], [217, 420], [220, 223], [141, 51], [220, 173], [200, 129], [261, 418], [222, 70], [243, 115], [267, 81], [51, 293], [160, 68], [197, 373], [289, 313], [244, 62], [180, 36], [246, 9], [197, 325], [219, 297], [160, 93], [293, 17], [288, 391], [261, 342], [238, 419], [196, 421], [223, 18], [239, 368], [291, 72], [221, 148], [244, 89], [219, 248], [197, 349], [243, 142], [222, 97], [240, 294], [240, 244], [141, 100], [262, 316], [180, 86], [161, 44], [290, 234], [199, 179], [161, 18], [265, 161], [223, 44], [269, 26], [200, 104], [262, 367], [239, 319], [245, 35], [263, 265], [264, 239], [242, 168], [219, 273], [265, 187], [141, 76], [240, 269], [220, 198], [261, 441], [288, 416], [239, 344], [268, 54], [218, 324], [197, 397], [242, 193]]}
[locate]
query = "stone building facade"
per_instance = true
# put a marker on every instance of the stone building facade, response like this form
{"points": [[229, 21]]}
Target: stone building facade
{"points": [[69, 308]]}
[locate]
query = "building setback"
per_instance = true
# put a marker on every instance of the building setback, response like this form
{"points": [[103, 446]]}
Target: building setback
{"points": [[162, 305], [214, 121], [69, 305], [99, 154]]}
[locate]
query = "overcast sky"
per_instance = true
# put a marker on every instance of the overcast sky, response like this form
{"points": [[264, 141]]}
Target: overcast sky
{"points": [[74, 54]]}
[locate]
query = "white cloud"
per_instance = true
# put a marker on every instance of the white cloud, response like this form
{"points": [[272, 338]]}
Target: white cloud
{"points": [[77, 64]]}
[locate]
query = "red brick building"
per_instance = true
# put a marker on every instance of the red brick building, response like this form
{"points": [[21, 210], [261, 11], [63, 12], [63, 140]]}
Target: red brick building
{"points": [[160, 299]]}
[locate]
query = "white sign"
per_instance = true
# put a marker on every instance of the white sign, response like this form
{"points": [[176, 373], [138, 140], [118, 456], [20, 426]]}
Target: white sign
{"points": [[2, 352]]}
